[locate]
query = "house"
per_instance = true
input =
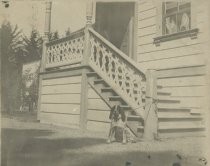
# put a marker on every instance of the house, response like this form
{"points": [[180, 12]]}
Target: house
{"points": [[148, 56]]}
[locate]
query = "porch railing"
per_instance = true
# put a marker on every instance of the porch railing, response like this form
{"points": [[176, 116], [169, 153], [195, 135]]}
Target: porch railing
{"points": [[116, 68], [121, 72], [65, 51]]}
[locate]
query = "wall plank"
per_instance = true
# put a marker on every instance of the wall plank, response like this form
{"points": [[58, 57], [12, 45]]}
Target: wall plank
{"points": [[145, 6], [64, 119], [183, 81], [147, 22], [64, 80], [68, 88], [92, 94], [192, 60], [181, 71], [97, 104], [147, 14], [98, 115], [147, 31], [185, 91], [61, 108], [172, 44], [64, 98]]}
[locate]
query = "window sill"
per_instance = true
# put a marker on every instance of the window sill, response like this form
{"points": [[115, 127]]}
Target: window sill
{"points": [[190, 33]]}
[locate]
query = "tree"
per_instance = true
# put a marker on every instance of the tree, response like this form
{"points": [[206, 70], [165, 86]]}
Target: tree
{"points": [[53, 36], [12, 55], [33, 47], [68, 32]]}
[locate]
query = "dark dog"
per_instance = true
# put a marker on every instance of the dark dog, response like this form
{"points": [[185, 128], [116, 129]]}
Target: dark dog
{"points": [[118, 124]]}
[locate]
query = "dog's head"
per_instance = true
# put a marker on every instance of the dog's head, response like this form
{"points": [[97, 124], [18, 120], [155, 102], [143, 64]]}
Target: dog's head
{"points": [[117, 113]]}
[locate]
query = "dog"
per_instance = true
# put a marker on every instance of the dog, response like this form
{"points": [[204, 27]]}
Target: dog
{"points": [[118, 125]]}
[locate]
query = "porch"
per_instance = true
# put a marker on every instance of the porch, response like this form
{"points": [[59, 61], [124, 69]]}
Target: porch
{"points": [[85, 74]]}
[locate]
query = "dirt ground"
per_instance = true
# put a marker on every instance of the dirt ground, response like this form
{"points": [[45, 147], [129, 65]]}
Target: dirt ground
{"points": [[29, 143]]}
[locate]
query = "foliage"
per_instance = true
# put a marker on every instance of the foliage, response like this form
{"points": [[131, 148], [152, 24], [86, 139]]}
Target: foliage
{"points": [[12, 55], [33, 46], [53, 36], [68, 32]]}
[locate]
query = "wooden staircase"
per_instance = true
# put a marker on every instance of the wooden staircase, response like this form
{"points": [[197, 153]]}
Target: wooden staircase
{"points": [[172, 121], [117, 79], [177, 121], [111, 98]]}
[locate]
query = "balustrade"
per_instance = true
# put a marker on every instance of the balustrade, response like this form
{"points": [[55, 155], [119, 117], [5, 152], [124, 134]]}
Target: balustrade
{"points": [[118, 69], [65, 51]]}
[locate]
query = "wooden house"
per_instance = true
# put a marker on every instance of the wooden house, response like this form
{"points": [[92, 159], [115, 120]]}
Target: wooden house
{"points": [[148, 56]]}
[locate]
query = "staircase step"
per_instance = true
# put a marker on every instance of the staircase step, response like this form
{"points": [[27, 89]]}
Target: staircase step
{"points": [[106, 89], [91, 73], [134, 117], [140, 129], [175, 117], [181, 131], [125, 106], [114, 98], [164, 105], [159, 93], [167, 100], [98, 81], [181, 128]]}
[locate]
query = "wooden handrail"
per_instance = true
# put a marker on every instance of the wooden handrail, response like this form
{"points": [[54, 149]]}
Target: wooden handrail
{"points": [[118, 51], [73, 35]]}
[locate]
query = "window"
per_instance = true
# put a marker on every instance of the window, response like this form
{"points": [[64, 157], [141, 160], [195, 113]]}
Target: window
{"points": [[176, 20], [176, 17]]}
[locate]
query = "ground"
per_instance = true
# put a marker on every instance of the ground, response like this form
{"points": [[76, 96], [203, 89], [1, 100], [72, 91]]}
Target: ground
{"points": [[29, 143]]}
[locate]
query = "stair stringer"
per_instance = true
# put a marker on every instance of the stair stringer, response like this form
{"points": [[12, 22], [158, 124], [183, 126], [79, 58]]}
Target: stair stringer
{"points": [[132, 125], [139, 110]]}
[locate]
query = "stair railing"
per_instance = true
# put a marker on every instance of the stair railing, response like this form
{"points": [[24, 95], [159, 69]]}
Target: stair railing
{"points": [[65, 51], [120, 71]]}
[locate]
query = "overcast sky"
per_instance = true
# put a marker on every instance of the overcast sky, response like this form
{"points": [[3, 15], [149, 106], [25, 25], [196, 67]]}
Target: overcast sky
{"points": [[31, 13]]}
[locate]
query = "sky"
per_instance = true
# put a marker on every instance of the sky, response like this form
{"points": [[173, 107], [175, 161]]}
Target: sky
{"points": [[31, 13]]}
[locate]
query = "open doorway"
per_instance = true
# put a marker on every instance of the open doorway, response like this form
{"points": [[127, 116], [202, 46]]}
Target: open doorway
{"points": [[115, 22]]}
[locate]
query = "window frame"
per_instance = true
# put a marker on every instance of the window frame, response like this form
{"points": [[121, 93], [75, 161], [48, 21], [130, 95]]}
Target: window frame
{"points": [[192, 32]]}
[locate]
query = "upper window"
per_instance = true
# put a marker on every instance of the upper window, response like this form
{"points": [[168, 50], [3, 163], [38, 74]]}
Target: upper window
{"points": [[176, 17]]}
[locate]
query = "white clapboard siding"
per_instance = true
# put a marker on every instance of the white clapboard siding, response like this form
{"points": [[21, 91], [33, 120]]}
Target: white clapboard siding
{"points": [[64, 80], [59, 119], [98, 126], [171, 53], [172, 44], [142, 7], [182, 81], [181, 72], [67, 88], [147, 22], [185, 91], [97, 104], [192, 60], [172, 124], [61, 108], [147, 14], [92, 94], [61, 98], [148, 39], [147, 31], [98, 115]]}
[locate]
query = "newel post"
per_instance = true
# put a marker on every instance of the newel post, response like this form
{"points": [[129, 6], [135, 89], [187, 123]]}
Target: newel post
{"points": [[86, 54], [44, 51], [151, 119], [46, 33]]}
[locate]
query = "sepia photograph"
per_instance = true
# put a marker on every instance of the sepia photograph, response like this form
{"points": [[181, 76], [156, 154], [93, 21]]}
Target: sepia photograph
{"points": [[105, 82]]}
